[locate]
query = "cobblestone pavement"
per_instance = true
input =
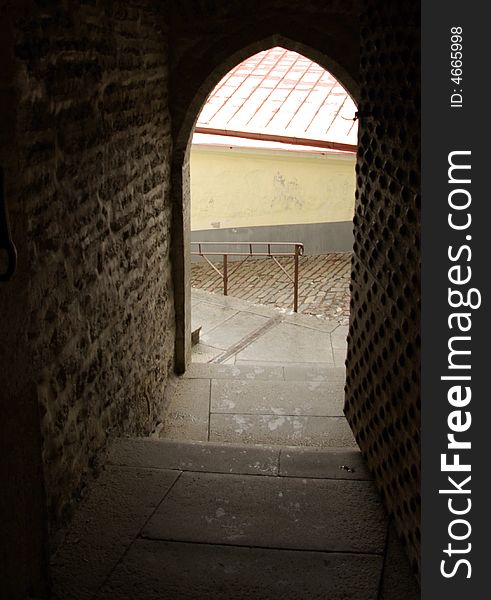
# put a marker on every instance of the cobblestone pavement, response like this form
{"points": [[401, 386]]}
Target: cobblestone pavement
{"points": [[323, 283]]}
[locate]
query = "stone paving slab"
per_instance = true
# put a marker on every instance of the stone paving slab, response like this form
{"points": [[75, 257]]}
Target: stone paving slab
{"points": [[232, 330], [105, 524], [253, 370], [290, 343], [336, 463], [202, 353], [189, 456], [253, 404], [288, 431], [222, 371], [228, 361], [154, 570], [208, 316], [283, 398], [235, 304], [311, 322], [271, 512], [303, 372], [187, 413], [286, 365]]}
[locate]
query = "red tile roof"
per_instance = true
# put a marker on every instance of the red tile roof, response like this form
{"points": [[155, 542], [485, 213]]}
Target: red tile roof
{"points": [[278, 92]]}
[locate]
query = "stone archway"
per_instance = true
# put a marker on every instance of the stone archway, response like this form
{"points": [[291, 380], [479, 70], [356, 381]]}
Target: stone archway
{"points": [[183, 130]]}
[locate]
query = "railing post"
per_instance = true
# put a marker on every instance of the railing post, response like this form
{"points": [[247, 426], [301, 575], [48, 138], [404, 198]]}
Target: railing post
{"points": [[225, 274], [295, 281]]}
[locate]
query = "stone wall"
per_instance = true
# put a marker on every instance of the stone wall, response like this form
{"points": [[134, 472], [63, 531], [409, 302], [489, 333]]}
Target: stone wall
{"points": [[94, 150], [383, 365]]}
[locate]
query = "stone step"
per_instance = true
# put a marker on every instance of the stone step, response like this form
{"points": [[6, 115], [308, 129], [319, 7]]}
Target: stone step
{"points": [[298, 405], [239, 459], [265, 372], [192, 520]]}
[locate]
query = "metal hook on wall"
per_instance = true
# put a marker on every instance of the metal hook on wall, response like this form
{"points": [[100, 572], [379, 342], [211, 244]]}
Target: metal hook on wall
{"points": [[6, 243]]}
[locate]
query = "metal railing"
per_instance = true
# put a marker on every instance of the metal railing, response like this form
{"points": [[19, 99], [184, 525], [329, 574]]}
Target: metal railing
{"points": [[268, 251]]}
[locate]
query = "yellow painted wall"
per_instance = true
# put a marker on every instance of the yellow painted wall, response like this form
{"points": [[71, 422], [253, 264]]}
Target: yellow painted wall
{"points": [[241, 187]]}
